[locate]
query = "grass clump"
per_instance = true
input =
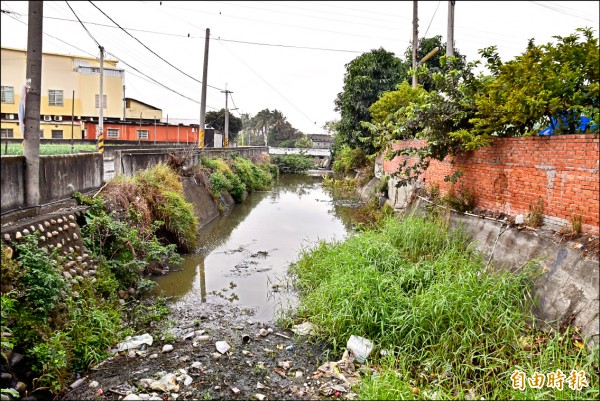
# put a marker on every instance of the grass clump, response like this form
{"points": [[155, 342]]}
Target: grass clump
{"points": [[238, 176], [141, 209], [535, 216], [348, 160], [415, 289]]}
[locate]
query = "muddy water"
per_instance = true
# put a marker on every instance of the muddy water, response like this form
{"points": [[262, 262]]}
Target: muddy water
{"points": [[245, 256]]}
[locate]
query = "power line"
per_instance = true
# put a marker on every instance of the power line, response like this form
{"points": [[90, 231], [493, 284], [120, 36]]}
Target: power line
{"points": [[270, 86], [234, 106], [198, 37], [152, 79], [436, 8], [150, 50], [288, 46], [88, 32], [558, 10], [281, 24], [129, 65]]}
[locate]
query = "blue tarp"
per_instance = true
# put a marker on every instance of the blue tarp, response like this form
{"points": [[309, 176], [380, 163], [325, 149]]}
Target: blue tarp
{"points": [[583, 126]]}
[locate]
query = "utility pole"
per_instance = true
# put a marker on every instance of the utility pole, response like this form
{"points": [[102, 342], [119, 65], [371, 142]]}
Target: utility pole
{"points": [[31, 130], [226, 141], [203, 99], [124, 103], [415, 42], [450, 40], [100, 134], [72, 120]]}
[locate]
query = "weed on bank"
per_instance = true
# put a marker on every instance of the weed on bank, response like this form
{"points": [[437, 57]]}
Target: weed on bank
{"points": [[448, 327]]}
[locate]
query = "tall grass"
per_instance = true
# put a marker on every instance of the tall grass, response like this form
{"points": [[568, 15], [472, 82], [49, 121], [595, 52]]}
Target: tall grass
{"points": [[48, 149], [415, 289]]}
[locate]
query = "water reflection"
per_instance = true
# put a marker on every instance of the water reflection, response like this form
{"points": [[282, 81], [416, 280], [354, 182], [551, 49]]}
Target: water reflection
{"points": [[244, 256]]}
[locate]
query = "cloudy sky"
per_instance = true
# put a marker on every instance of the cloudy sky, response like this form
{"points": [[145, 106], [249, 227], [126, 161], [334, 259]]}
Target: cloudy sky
{"points": [[285, 55]]}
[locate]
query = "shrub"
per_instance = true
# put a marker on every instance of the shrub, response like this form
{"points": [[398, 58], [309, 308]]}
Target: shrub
{"points": [[41, 277], [349, 159], [291, 163]]}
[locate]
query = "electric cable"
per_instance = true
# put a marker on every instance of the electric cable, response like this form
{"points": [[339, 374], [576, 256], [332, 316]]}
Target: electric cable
{"points": [[150, 50]]}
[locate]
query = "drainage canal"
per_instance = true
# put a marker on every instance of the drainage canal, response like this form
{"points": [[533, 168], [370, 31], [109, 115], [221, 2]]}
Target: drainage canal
{"points": [[245, 256]]}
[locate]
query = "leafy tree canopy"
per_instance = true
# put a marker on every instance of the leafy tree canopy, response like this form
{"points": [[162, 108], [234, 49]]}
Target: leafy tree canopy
{"points": [[463, 111], [367, 77], [216, 119], [548, 84]]}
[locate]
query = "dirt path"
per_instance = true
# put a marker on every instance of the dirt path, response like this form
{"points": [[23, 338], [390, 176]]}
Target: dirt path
{"points": [[278, 365]]}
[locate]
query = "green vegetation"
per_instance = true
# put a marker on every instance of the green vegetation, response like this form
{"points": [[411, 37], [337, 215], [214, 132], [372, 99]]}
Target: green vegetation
{"points": [[349, 160], [48, 149], [237, 175], [291, 163], [303, 142], [125, 222], [59, 330], [65, 326], [450, 327], [458, 109]]}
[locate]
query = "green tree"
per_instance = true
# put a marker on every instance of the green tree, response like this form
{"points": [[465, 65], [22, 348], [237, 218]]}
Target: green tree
{"points": [[441, 115], [434, 64], [281, 130], [367, 77], [261, 123], [217, 120], [390, 113], [552, 82], [304, 142]]}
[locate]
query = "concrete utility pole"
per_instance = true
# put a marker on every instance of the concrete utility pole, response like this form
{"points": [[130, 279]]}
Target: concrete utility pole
{"points": [[415, 44], [450, 40], [31, 130], [72, 120], [226, 140], [203, 99], [100, 133]]}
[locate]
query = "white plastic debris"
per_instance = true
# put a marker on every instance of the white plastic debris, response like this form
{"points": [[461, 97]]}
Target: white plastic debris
{"points": [[304, 329], [134, 342], [222, 346], [360, 347]]}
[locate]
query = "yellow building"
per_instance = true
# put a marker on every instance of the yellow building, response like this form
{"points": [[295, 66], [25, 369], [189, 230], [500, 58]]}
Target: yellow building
{"points": [[70, 86]]}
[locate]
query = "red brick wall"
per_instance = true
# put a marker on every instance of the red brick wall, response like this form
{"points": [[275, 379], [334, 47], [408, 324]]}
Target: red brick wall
{"points": [[514, 173]]}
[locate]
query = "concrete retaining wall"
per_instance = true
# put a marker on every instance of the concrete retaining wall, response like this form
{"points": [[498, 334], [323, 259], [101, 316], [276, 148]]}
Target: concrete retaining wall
{"points": [[60, 176], [568, 287], [13, 182], [127, 162]]}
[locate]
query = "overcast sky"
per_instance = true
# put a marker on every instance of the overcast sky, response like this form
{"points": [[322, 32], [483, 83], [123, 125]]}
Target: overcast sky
{"points": [[285, 55]]}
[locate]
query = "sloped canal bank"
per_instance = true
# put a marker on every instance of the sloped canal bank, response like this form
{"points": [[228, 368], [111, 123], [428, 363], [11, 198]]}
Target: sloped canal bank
{"points": [[231, 290]]}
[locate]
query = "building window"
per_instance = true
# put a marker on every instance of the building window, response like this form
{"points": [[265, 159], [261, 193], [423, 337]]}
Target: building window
{"points": [[41, 133], [8, 94], [6, 133], [112, 133], [55, 97], [103, 101], [57, 134], [142, 134]]}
